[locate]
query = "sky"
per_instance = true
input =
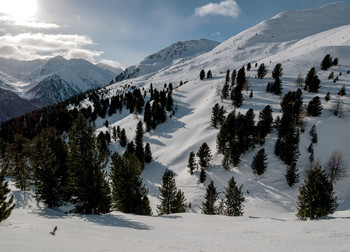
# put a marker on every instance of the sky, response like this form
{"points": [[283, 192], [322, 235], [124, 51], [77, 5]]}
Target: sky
{"points": [[123, 32]]}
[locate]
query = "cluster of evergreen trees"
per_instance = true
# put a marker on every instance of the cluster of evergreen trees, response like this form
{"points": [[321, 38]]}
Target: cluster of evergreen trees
{"points": [[230, 206], [276, 86], [204, 159], [239, 133]]}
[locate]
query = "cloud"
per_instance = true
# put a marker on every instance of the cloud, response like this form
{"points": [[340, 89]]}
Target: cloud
{"points": [[112, 63], [228, 8], [9, 21], [28, 46]]}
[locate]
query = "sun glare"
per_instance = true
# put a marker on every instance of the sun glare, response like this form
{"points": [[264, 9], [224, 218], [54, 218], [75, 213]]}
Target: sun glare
{"points": [[20, 10]]}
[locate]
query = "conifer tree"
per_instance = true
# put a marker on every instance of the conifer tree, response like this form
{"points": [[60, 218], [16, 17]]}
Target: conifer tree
{"points": [[327, 97], [202, 75], [259, 164], [277, 71], [204, 155], [139, 149], [6, 205], [262, 71], [148, 153], [214, 115], [316, 197], [327, 62], [276, 86], [342, 91], [227, 77], [129, 195], [225, 91], [211, 196], [234, 199], [122, 139], [251, 94], [171, 199], [209, 74], [265, 123], [241, 79], [87, 180], [169, 101], [312, 82], [114, 134], [249, 66], [314, 107], [192, 166], [48, 157], [291, 175], [237, 97]]}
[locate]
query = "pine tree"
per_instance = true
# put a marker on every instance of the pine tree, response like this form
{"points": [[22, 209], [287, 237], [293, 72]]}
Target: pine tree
{"points": [[192, 166], [122, 139], [262, 71], [139, 149], [48, 156], [276, 86], [148, 153], [225, 91], [209, 74], [237, 97], [327, 62], [234, 199], [202, 75], [6, 205], [129, 195], [251, 94], [114, 134], [312, 82], [291, 175], [277, 71], [314, 107], [214, 115], [316, 197], [171, 199], [169, 101], [204, 155], [265, 123], [211, 196], [227, 77], [259, 164], [241, 79], [87, 180], [249, 66]]}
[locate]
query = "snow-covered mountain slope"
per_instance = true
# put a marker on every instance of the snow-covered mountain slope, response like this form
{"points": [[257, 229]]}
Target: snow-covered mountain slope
{"points": [[115, 70], [177, 52], [269, 220], [50, 81], [269, 42]]}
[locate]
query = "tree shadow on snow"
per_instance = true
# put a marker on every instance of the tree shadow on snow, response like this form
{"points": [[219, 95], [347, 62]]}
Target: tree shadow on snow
{"points": [[115, 221]]}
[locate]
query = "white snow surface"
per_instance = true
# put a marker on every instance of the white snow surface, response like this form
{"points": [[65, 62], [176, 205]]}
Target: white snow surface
{"points": [[269, 222]]}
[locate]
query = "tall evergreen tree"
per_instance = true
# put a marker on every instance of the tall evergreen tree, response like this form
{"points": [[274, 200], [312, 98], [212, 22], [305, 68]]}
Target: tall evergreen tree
{"points": [[313, 134], [327, 62], [192, 166], [169, 101], [87, 180], [265, 123], [6, 205], [234, 199], [202, 75], [316, 197], [237, 97], [204, 155], [171, 199], [139, 149], [227, 77], [312, 82], [48, 157], [202, 176], [291, 175], [262, 71], [259, 164], [209, 74], [314, 107], [129, 195], [277, 71], [233, 77], [241, 79], [122, 139], [211, 196], [225, 91]]}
